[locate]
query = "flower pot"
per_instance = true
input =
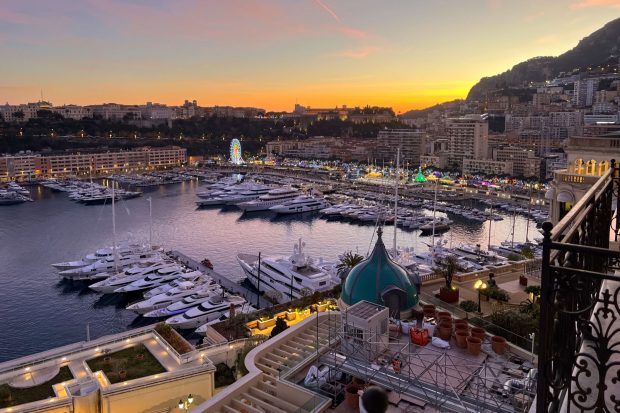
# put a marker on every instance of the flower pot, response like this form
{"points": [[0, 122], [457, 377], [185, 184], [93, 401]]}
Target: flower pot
{"points": [[461, 338], [498, 344], [358, 383], [444, 314], [140, 357], [478, 333], [351, 395], [523, 280], [445, 330], [448, 295], [473, 345], [429, 310], [122, 374], [291, 315], [107, 359], [461, 322], [263, 324], [461, 327]]}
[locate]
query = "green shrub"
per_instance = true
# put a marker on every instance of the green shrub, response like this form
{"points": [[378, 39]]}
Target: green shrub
{"points": [[496, 293], [469, 306], [223, 375], [279, 327]]}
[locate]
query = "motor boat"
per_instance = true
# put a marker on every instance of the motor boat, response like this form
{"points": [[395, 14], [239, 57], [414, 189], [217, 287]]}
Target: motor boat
{"points": [[152, 280], [109, 285], [303, 203], [246, 309], [207, 311], [179, 307], [182, 290], [111, 263], [271, 198]]}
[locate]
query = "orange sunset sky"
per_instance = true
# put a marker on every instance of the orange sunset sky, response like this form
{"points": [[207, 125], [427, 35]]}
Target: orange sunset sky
{"points": [[267, 53]]}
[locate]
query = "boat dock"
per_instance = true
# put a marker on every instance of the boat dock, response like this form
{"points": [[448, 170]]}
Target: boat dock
{"points": [[226, 283]]}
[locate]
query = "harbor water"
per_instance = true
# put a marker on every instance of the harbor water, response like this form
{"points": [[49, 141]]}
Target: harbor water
{"points": [[40, 311]]}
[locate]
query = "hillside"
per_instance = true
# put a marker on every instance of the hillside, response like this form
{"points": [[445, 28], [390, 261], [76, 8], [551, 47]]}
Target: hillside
{"points": [[596, 48]]}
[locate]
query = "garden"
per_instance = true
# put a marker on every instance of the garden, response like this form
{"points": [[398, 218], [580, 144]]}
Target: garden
{"points": [[13, 396], [128, 364]]}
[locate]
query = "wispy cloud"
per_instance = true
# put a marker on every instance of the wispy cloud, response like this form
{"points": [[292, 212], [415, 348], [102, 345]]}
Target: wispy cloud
{"points": [[352, 32], [533, 17], [328, 9], [583, 4], [358, 53]]}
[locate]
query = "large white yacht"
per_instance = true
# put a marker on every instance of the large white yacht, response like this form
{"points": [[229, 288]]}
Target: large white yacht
{"points": [[182, 290], [109, 264], [187, 303], [271, 198], [303, 203], [207, 311], [135, 273], [154, 280], [194, 276], [285, 278], [246, 309], [102, 253], [233, 194]]}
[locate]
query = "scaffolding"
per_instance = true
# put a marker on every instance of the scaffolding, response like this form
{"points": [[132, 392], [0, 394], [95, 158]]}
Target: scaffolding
{"points": [[450, 380]]}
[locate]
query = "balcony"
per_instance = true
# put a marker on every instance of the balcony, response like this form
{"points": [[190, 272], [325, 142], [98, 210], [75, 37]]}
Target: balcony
{"points": [[579, 357], [566, 176]]}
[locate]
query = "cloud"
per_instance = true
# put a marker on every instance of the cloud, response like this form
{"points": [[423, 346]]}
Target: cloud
{"points": [[583, 4], [327, 9], [533, 17], [352, 32], [359, 53]]}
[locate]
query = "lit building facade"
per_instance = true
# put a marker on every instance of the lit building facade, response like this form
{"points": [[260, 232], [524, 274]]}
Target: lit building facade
{"points": [[468, 137], [411, 143]]}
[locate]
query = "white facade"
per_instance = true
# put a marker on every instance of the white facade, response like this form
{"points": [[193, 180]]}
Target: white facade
{"points": [[411, 143], [468, 137], [583, 92]]}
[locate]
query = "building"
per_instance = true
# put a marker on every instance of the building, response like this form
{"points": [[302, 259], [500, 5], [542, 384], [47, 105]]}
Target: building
{"points": [[411, 142], [371, 115], [82, 381], [583, 92], [23, 112], [486, 167], [28, 166], [438, 160], [587, 158], [525, 163], [468, 137]]}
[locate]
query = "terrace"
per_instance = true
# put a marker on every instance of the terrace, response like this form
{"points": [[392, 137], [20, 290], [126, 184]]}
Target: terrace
{"points": [[108, 366]]}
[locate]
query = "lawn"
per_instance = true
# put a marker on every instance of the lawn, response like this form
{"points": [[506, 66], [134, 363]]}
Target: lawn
{"points": [[136, 361], [32, 394]]}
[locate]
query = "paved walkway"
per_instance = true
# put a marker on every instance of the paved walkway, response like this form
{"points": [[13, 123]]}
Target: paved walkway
{"points": [[34, 378], [161, 354]]}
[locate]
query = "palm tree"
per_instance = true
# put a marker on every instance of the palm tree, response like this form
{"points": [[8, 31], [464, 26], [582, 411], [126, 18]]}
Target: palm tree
{"points": [[347, 262], [447, 267]]}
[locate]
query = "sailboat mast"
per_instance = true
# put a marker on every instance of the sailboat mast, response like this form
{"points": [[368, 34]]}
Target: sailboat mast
{"points": [[434, 215], [150, 222], [529, 211], [114, 247], [490, 221], [396, 197]]}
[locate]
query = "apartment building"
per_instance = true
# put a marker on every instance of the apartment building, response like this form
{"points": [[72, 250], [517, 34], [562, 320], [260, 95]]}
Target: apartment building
{"points": [[411, 142], [28, 166], [524, 161], [486, 167], [583, 92], [468, 137]]}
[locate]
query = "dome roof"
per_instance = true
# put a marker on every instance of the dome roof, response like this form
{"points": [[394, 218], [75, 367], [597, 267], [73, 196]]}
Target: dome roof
{"points": [[377, 276]]}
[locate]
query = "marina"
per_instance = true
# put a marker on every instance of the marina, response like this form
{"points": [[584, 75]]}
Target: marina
{"points": [[219, 234]]}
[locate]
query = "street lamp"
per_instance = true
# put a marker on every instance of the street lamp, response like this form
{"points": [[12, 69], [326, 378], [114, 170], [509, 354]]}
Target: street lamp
{"points": [[185, 404], [479, 285]]}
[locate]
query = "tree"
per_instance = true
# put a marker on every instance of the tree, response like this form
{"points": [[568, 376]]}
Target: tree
{"points": [[527, 252], [447, 267], [347, 262], [279, 327]]}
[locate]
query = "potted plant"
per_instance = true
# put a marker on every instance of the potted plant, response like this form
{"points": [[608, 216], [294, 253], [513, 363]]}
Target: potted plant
{"points": [[106, 359], [352, 396], [348, 260], [263, 322], [122, 372], [447, 267], [291, 314], [523, 280]]}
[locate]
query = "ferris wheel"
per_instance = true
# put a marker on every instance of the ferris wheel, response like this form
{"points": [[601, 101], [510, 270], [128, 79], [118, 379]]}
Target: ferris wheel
{"points": [[235, 152]]}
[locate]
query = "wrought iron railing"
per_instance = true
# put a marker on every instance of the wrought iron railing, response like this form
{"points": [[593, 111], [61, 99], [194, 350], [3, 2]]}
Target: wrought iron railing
{"points": [[579, 354]]}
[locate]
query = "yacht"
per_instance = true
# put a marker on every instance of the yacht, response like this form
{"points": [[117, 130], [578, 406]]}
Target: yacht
{"points": [[286, 278], [440, 225], [209, 310], [111, 263], [182, 290], [194, 276], [246, 309], [12, 198], [303, 203], [135, 273], [153, 280], [271, 198], [179, 307], [102, 253]]}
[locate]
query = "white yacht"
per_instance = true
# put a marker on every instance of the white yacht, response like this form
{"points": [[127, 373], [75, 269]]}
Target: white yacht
{"points": [[246, 309], [194, 276], [207, 311], [102, 253], [135, 273], [285, 278], [247, 194], [153, 280], [111, 263], [182, 290], [187, 303], [271, 198], [303, 203]]}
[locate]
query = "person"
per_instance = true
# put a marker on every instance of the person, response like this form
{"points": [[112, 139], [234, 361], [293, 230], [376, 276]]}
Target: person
{"points": [[374, 400]]}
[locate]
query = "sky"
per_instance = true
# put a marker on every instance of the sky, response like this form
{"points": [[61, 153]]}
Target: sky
{"points": [[407, 54]]}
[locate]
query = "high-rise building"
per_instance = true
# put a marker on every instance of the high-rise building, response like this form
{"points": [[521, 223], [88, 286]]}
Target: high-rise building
{"points": [[468, 137], [583, 92], [411, 143]]}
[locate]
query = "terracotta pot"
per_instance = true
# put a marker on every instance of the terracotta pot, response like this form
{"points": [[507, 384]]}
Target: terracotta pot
{"points": [[498, 344], [428, 307], [478, 333], [353, 399], [107, 359], [461, 338], [473, 345], [461, 321], [448, 296], [461, 327], [445, 330], [122, 374], [444, 314], [429, 310], [523, 280], [359, 383]]}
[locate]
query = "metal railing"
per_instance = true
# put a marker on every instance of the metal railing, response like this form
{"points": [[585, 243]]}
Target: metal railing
{"points": [[580, 336]]}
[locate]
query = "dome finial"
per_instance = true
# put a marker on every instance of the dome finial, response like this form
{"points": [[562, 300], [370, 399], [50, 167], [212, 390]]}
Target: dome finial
{"points": [[379, 232]]}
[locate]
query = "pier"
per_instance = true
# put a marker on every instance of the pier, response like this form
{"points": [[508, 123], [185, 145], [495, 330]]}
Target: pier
{"points": [[226, 283]]}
